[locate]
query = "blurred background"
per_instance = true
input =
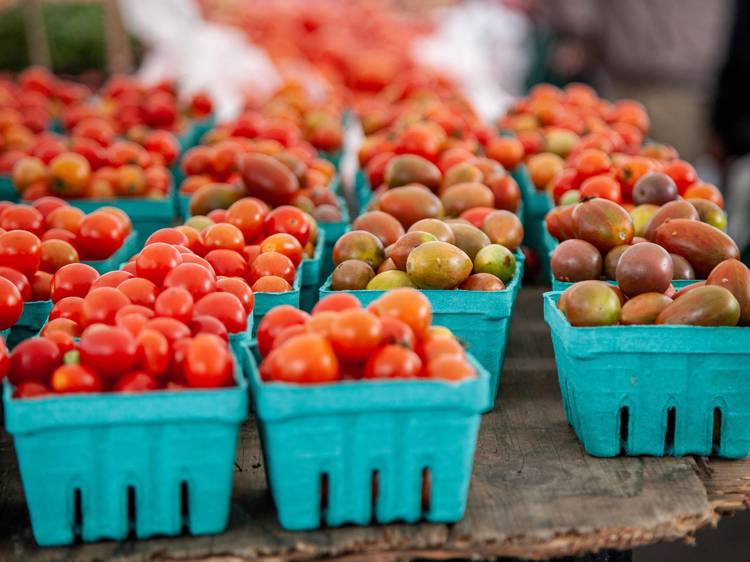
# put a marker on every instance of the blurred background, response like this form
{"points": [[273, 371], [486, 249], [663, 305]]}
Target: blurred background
{"points": [[687, 61]]}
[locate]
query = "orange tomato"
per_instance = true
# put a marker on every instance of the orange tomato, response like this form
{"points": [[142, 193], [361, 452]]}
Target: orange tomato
{"points": [[704, 190], [70, 174]]}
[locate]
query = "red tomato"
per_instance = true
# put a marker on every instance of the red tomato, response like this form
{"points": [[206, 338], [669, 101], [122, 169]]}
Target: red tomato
{"points": [[101, 305], [393, 361], [72, 280], [66, 218], [604, 186], [592, 162], [55, 254], [248, 215], [176, 303], [450, 367], [11, 304], [41, 284], [288, 333], [30, 390], [197, 280], [289, 220], [223, 236], [208, 325], [121, 215], [271, 284], [100, 235], [375, 169], [133, 322], [396, 332], [63, 341], [153, 352], [76, 379], [64, 325], [33, 360], [46, 205], [163, 143], [136, 381], [271, 263], [193, 236], [285, 244], [307, 358], [251, 252], [196, 161], [355, 333], [140, 291], [225, 307], [20, 250], [227, 263], [408, 305], [155, 261], [336, 302], [69, 307], [60, 234], [218, 215], [476, 215], [437, 346], [112, 279], [111, 351], [192, 258], [208, 362], [506, 150], [22, 217], [276, 320], [170, 236], [19, 280], [147, 313], [240, 289]]}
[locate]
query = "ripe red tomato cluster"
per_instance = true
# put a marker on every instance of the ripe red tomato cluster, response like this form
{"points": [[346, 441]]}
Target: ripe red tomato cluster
{"points": [[391, 339], [159, 354]]}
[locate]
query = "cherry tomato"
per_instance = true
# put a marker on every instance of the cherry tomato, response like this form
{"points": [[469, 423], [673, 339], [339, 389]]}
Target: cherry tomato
{"points": [[393, 361], [285, 244], [100, 235], [698, 190], [289, 220], [22, 217], [271, 284], [227, 263], [124, 219], [592, 162], [63, 341], [170, 236], [153, 352], [307, 358], [147, 313], [197, 280], [208, 362], [30, 390], [683, 174], [176, 303], [65, 218], [69, 379], [396, 332], [408, 305], [450, 367], [251, 252], [28, 170], [155, 261], [55, 254], [476, 215], [506, 150], [163, 143], [193, 237], [70, 174], [196, 161], [172, 329], [248, 215], [192, 258], [109, 350], [33, 360], [271, 263], [136, 381], [46, 205], [355, 333], [437, 346], [208, 325], [336, 302], [112, 279], [19, 280], [288, 333], [101, 305], [41, 283], [227, 308], [69, 307], [604, 186], [276, 320], [139, 291], [133, 322], [223, 236], [11, 303], [65, 325], [20, 250], [72, 280], [240, 289]]}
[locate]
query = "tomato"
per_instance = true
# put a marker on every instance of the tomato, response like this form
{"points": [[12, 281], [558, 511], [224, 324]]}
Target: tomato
{"points": [[227, 308], [22, 217], [208, 362], [506, 150], [192, 258], [146, 312], [476, 215], [101, 306], [170, 236], [155, 261], [20, 250], [698, 190], [92, 151], [421, 139], [72, 280], [208, 325], [450, 367], [133, 322], [393, 361], [437, 346], [28, 170], [223, 236], [196, 161], [139, 291], [65, 325], [33, 360], [96, 129], [336, 302], [56, 254], [307, 358], [109, 350], [284, 244], [153, 352], [100, 236], [163, 143], [176, 303], [176, 369], [65, 218], [591, 162], [396, 332], [271, 284], [248, 215], [632, 112], [123, 217], [76, 379], [227, 263], [604, 186], [631, 171], [158, 179], [408, 305], [276, 320], [112, 279], [125, 153], [289, 220], [197, 280], [239, 289], [69, 307], [19, 280], [270, 263], [30, 390], [11, 303], [70, 174], [130, 181], [355, 333], [63, 341], [251, 252], [683, 174], [218, 215], [136, 381]]}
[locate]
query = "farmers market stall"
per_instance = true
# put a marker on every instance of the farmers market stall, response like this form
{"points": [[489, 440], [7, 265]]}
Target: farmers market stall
{"points": [[535, 493]]}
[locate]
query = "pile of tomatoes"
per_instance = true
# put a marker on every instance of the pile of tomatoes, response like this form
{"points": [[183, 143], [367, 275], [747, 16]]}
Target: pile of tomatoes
{"points": [[391, 339]]}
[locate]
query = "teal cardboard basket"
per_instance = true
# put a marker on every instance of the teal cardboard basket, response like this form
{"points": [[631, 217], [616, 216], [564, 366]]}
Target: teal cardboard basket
{"points": [[8, 191], [333, 231], [676, 283], [33, 317], [344, 437], [194, 132], [333, 157], [481, 319], [103, 465], [653, 390], [130, 246], [311, 278], [536, 205], [266, 301]]}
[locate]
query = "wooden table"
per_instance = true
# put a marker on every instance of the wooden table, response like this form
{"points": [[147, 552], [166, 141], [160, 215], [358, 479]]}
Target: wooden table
{"points": [[535, 493]]}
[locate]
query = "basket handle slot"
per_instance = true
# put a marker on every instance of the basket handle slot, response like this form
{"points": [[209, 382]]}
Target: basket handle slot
{"points": [[374, 494], [131, 503], [426, 490], [624, 429], [77, 516], [324, 490], [716, 433], [669, 435], [184, 507]]}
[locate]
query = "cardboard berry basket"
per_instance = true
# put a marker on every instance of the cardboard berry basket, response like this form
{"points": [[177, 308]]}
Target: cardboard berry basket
{"points": [[130, 246], [311, 278], [480, 319], [8, 191], [653, 390], [333, 157], [193, 133], [102, 465], [536, 205], [364, 451]]}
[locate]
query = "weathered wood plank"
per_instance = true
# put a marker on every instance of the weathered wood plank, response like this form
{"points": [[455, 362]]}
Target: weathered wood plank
{"points": [[535, 493]]}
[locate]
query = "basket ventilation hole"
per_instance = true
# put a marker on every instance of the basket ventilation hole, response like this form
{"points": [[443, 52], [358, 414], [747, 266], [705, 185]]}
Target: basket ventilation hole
{"points": [[77, 515], [670, 434], [323, 498], [716, 435], [624, 428], [131, 512], [374, 493], [426, 490], [184, 507]]}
